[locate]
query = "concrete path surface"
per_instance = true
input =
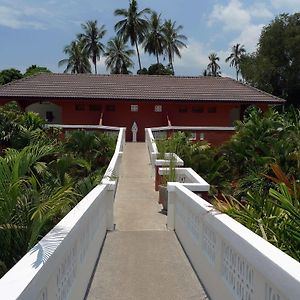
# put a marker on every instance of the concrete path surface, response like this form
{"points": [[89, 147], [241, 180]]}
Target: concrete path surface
{"points": [[142, 260]]}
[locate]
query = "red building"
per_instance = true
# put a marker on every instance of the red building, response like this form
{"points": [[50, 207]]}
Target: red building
{"points": [[150, 101]]}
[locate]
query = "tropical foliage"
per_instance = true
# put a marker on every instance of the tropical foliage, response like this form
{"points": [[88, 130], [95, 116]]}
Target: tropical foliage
{"points": [[118, 56], [9, 75], [275, 65], [254, 177], [34, 69], [173, 40], [78, 58], [156, 69], [134, 25], [154, 38], [42, 177], [141, 28], [91, 39], [235, 58], [213, 68]]}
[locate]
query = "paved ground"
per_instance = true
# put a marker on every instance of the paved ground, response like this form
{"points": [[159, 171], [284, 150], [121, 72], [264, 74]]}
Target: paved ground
{"points": [[136, 206], [142, 260]]}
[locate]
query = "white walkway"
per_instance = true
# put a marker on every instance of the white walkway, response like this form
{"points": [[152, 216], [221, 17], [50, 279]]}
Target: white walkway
{"points": [[142, 260]]}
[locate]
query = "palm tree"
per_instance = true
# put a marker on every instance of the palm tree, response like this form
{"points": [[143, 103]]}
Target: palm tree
{"points": [[134, 26], [118, 56], [173, 41], [91, 40], [78, 61], [237, 51], [213, 66], [154, 39]]}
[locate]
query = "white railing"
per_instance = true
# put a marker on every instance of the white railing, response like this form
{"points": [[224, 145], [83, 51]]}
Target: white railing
{"points": [[98, 127], [188, 178], [113, 167], [151, 145], [193, 128], [231, 261], [61, 264]]}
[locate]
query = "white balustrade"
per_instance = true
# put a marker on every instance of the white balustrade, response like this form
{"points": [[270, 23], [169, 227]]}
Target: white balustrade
{"points": [[188, 178], [231, 261], [61, 264], [151, 145]]}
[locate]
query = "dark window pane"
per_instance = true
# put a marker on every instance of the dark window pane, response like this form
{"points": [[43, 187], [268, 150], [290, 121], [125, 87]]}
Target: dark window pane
{"points": [[79, 107], [198, 109], [183, 109], [110, 107], [95, 107], [49, 116]]}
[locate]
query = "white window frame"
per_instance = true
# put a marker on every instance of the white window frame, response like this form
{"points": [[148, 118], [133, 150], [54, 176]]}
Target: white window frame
{"points": [[202, 136], [158, 108], [134, 108], [193, 136]]}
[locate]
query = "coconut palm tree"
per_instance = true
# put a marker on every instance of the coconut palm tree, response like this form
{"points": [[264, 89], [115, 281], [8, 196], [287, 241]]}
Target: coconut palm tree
{"points": [[173, 41], [91, 40], [78, 61], [118, 56], [237, 51], [134, 26], [213, 67], [27, 203], [154, 39]]}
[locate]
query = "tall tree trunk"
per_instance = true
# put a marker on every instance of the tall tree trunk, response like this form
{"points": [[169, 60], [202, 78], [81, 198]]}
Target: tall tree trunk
{"points": [[95, 65], [157, 58], [237, 74], [171, 62], [138, 54]]}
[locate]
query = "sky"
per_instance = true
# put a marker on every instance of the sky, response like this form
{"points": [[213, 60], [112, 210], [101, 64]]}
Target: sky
{"points": [[36, 31]]}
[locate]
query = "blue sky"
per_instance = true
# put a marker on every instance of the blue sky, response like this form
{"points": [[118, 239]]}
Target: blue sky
{"points": [[36, 31]]}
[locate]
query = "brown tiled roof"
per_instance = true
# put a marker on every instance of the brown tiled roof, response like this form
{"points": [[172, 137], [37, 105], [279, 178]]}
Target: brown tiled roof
{"points": [[133, 87]]}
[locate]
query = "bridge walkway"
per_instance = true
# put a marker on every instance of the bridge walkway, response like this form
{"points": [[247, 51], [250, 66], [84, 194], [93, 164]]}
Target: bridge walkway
{"points": [[141, 259]]}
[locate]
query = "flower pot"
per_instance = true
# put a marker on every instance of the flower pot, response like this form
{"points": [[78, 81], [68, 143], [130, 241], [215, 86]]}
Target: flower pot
{"points": [[163, 197]]}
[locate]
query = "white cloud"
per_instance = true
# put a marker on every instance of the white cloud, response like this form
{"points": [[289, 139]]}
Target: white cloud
{"points": [[249, 37], [290, 4], [13, 17], [195, 55], [260, 10], [194, 59], [233, 15]]}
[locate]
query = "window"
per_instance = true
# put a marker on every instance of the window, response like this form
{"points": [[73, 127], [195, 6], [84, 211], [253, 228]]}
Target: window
{"points": [[95, 107], [158, 108], [192, 136], [79, 107], [198, 109], [202, 136], [49, 116], [212, 109], [134, 108], [183, 109], [110, 107]]}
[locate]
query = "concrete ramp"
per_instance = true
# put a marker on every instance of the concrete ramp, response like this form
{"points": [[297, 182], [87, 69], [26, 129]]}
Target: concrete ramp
{"points": [[142, 260]]}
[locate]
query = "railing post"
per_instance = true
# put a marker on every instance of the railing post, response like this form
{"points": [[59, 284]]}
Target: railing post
{"points": [[171, 205], [110, 198]]}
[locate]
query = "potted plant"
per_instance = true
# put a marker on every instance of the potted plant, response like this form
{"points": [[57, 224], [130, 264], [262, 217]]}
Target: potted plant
{"points": [[169, 175]]}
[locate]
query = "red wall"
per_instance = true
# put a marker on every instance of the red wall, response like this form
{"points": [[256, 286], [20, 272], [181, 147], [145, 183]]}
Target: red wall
{"points": [[146, 116]]}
